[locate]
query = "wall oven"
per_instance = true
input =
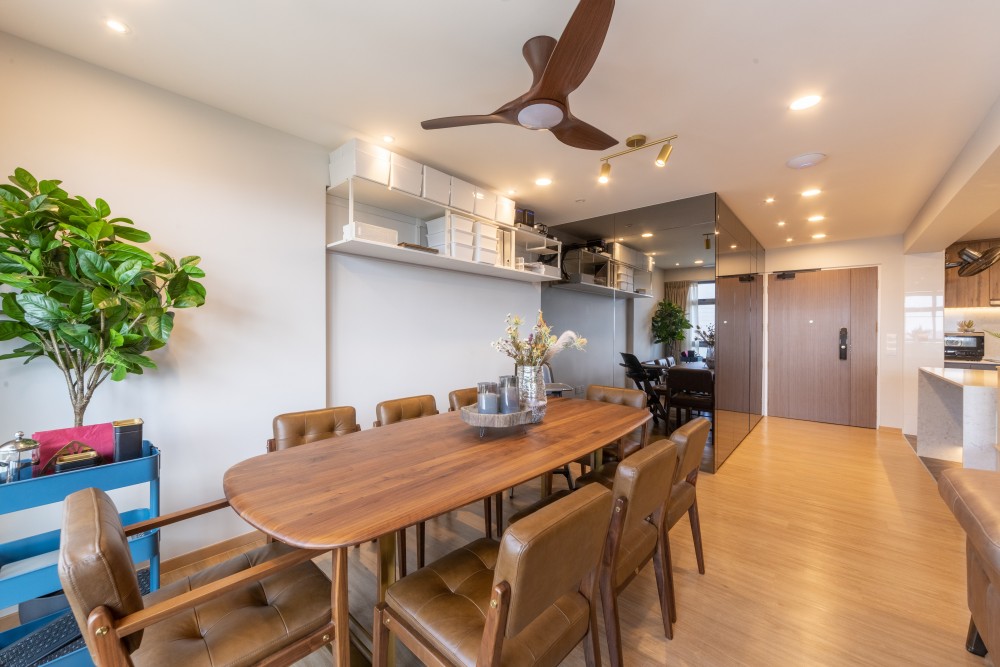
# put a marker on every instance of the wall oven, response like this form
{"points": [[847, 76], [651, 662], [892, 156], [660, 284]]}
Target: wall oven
{"points": [[963, 346]]}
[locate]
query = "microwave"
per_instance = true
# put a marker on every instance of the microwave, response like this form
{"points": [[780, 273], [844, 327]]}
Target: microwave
{"points": [[966, 346]]}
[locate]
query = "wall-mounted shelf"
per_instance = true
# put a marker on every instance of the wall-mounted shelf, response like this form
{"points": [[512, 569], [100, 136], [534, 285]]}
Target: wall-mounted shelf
{"points": [[575, 284], [517, 242]]}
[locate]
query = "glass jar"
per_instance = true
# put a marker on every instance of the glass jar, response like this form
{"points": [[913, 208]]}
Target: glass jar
{"points": [[508, 395], [487, 398]]}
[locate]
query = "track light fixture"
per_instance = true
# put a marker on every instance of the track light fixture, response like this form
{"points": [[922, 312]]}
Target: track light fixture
{"points": [[634, 143], [605, 173], [708, 240]]}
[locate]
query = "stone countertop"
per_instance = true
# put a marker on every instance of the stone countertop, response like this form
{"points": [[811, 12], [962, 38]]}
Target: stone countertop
{"points": [[964, 378]]}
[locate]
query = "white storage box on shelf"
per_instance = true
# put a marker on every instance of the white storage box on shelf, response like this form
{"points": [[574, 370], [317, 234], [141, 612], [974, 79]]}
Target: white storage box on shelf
{"points": [[359, 158], [486, 235], [438, 239], [437, 186], [485, 204], [406, 174], [463, 251], [486, 256], [463, 224], [463, 195], [437, 225], [505, 210], [368, 232]]}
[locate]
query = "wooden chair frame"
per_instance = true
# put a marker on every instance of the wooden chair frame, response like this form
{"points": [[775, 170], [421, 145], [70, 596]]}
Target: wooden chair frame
{"points": [[108, 632]]}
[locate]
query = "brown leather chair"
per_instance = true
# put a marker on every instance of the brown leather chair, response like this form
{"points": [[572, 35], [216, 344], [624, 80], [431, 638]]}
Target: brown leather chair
{"points": [[690, 390], [638, 438], [271, 601], [526, 601], [641, 489], [459, 398], [401, 410], [299, 428], [974, 498]]}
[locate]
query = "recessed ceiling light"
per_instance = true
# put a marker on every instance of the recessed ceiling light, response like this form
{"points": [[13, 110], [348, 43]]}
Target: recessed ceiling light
{"points": [[769, 200], [788, 240], [647, 235], [819, 236], [805, 102], [579, 201], [510, 192], [815, 218], [388, 138], [118, 26], [805, 160], [733, 246], [811, 193], [781, 223], [652, 254], [621, 238], [543, 181], [699, 261], [677, 263]]}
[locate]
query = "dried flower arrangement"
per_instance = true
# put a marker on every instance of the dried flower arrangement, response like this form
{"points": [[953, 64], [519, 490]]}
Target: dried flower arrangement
{"points": [[706, 335], [540, 345]]}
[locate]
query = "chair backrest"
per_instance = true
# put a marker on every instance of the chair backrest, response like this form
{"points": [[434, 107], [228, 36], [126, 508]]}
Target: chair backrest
{"points": [[671, 362], [95, 565], [300, 428], [693, 380], [690, 440], [617, 395], [551, 553], [645, 480], [547, 377], [461, 397], [402, 409]]}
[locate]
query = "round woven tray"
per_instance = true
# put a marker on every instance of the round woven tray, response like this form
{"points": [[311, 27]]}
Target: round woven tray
{"points": [[470, 415]]}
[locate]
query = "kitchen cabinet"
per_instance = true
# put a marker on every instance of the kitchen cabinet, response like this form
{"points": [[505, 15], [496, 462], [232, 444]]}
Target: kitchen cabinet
{"points": [[599, 273], [978, 291]]}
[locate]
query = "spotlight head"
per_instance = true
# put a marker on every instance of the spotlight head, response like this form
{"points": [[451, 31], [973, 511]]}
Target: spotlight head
{"points": [[664, 155], [605, 173]]}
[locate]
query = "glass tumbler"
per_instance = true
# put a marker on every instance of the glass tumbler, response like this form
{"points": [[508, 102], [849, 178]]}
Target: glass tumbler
{"points": [[508, 394], [488, 400]]}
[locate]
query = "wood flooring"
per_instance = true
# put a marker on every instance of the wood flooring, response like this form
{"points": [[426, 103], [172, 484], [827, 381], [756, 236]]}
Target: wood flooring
{"points": [[824, 545]]}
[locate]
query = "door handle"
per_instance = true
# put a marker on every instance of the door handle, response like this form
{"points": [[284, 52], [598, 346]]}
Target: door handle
{"points": [[843, 342]]}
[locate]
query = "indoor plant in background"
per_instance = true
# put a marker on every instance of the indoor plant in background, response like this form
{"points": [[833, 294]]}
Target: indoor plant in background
{"points": [[530, 354], [669, 325], [85, 296]]}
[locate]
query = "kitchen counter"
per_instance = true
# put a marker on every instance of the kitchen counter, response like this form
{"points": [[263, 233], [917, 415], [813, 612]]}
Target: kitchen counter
{"points": [[985, 364], [957, 416]]}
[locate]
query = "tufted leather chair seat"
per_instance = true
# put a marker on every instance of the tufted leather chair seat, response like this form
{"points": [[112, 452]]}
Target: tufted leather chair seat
{"points": [[544, 563], [634, 398], [974, 498], [236, 628], [299, 428], [459, 398]]}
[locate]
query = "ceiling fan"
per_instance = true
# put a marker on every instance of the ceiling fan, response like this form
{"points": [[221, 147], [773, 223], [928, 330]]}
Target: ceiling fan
{"points": [[558, 68]]}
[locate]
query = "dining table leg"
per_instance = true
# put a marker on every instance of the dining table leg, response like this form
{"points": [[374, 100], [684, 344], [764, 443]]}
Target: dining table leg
{"points": [[341, 610], [386, 576]]}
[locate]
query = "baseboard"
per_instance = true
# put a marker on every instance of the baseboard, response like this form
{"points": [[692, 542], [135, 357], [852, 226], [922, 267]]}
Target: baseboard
{"points": [[890, 429], [210, 551]]}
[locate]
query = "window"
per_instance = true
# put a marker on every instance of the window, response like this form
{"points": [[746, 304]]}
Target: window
{"points": [[704, 311]]}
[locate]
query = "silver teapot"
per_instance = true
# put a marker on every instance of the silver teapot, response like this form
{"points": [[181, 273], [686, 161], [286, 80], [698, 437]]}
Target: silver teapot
{"points": [[17, 457]]}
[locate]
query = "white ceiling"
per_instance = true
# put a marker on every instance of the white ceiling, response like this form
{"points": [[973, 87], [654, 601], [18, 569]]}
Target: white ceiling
{"points": [[905, 86]]}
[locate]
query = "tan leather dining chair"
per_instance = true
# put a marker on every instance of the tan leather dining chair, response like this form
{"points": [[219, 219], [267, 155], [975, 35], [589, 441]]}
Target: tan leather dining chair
{"points": [[400, 410], [300, 428], [458, 399], [634, 398], [527, 601], [270, 603]]}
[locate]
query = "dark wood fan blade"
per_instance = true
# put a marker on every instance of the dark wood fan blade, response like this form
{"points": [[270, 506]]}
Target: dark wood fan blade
{"points": [[462, 121], [574, 132], [577, 50], [537, 52]]}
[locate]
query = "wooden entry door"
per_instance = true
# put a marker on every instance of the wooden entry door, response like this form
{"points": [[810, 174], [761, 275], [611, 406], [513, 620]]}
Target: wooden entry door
{"points": [[807, 376]]}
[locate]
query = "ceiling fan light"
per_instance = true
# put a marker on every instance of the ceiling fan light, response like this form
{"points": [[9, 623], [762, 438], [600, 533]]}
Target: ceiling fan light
{"points": [[540, 116], [605, 173], [664, 155]]}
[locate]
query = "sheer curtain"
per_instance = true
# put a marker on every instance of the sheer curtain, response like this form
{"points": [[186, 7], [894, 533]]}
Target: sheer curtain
{"points": [[684, 293]]}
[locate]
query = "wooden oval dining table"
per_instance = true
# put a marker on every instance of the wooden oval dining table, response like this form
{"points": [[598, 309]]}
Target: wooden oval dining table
{"points": [[335, 493]]}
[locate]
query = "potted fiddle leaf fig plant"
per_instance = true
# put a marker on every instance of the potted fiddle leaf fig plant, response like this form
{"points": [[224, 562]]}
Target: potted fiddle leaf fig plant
{"points": [[81, 292], [669, 324]]}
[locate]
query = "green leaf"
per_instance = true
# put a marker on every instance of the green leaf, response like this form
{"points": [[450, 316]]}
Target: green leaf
{"points": [[100, 230], [10, 307], [14, 261], [131, 234], [168, 262], [154, 325], [76, 303], [12, 194], [10, 329], [15, 280], [127, 271], [37, 202], [40, 311], [193, 271], [103, 209], [115, 339], [178, 285], [79, 336], [104, 298], [48, 187], [119, 373], [122, 251], [25, 180], [190, 260], [92, 264], [139, 360]]}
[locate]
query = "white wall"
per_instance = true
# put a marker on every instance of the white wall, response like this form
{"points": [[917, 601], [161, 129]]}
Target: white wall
{"points": [[249, 200], [925, 322], [400, 330], [887, 254]]}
